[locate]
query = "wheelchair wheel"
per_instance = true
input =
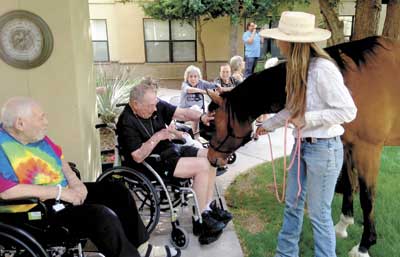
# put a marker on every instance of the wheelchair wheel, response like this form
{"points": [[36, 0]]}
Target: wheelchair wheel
{"points": [[179, 237], [16, 242], [142, 190], [232, 158]]}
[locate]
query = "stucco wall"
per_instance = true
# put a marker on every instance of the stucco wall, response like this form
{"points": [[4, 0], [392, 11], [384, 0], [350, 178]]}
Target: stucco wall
{"points": [[126, 40], [64, 83]]}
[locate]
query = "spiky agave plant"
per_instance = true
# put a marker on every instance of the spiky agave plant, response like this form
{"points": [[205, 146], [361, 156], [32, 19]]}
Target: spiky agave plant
{"points": [[113, 88]]}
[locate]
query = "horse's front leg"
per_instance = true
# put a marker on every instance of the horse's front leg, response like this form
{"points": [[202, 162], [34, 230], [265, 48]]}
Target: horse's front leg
{"points": [[367, 161], [346, 187]]}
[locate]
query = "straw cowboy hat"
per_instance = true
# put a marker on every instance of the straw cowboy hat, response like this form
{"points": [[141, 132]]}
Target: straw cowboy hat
{"points": [[297, 27]]}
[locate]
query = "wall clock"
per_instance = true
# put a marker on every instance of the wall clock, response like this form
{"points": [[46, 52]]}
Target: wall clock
{"points": [[26, 40]]}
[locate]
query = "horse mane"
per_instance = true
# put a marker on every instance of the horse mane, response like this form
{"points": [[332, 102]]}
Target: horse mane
{"points": [[357, 50]]}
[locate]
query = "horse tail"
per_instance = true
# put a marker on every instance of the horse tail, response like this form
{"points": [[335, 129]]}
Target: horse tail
{"points": [[348, 178]]}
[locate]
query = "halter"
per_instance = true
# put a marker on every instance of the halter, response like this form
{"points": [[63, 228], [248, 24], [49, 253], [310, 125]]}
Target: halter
{"points": [[230, 134]]}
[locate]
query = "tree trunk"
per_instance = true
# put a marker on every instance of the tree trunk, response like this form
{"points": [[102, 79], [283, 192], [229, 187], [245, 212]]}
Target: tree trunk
{"points": [[391, 28], [332, 22], [202, 50], [367, 18], [234, 39]]}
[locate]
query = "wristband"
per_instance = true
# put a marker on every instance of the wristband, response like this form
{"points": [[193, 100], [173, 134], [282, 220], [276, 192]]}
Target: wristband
{"points": [[59, 192]]}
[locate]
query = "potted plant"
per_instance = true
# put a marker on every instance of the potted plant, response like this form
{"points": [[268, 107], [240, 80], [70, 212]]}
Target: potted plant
{"points": [[112, 87]]}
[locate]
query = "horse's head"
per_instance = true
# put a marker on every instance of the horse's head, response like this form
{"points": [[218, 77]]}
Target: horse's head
{"points": [[262, 92], [230, 133]]}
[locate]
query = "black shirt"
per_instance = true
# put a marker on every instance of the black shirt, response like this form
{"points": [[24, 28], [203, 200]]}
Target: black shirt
{"points": [[133, 131], [231, 83]]}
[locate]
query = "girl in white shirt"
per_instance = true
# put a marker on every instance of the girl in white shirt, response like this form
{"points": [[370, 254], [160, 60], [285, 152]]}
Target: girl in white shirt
{"points": [[317, 103]]}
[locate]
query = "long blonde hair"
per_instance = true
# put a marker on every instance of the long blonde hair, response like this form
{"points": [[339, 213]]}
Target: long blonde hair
{"points": [[299, 56]]}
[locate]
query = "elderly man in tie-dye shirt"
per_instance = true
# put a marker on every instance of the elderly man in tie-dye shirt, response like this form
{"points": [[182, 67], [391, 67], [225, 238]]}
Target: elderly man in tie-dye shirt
{"points": [[31, 165]]}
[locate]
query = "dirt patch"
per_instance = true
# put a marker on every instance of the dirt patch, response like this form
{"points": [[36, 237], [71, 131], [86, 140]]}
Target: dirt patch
{"points": [[253, 224]]}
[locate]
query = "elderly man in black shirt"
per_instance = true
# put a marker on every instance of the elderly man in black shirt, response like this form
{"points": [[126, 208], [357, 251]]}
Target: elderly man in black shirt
{"points": [[144, 128]]}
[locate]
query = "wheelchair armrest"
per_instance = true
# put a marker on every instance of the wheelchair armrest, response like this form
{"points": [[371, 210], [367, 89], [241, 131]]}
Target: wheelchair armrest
{"points": [[155, 157], [23, 206], [180, 141], [75, 169], [19, 201]]}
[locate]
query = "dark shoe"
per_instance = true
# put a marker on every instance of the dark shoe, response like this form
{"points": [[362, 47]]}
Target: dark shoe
{"points": [[205, 239], [219, 214], [221, 170], [211, 225]]}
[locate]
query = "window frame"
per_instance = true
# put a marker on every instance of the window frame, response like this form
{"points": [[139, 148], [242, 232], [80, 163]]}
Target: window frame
{"points": [[102, 41], [170, 44], [352, 27]]}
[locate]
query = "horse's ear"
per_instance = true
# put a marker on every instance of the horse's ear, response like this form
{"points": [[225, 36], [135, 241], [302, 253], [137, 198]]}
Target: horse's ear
{"points": [[214, 97]]}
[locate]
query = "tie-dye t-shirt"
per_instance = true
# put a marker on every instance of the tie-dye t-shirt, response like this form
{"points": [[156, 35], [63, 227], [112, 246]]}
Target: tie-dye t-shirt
{"points": [[36, 163]]}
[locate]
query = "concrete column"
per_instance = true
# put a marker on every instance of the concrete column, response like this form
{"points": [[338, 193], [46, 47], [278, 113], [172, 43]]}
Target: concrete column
{"points": [[64, 84]]}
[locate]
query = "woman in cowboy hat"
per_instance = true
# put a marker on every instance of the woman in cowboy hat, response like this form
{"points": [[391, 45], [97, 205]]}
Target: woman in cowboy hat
{"points": [[317, 103]]}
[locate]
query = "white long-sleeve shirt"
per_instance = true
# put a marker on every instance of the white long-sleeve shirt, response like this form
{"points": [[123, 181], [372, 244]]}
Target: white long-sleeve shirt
{"points": [[328, 103]]}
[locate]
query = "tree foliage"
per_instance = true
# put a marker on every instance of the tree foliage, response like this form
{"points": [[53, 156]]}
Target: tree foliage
{"points": [[188, 10], [262, 10]]}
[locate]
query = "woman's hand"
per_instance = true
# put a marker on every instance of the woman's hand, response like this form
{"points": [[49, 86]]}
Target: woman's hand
{"points": [[260, 131], [298, 122]]}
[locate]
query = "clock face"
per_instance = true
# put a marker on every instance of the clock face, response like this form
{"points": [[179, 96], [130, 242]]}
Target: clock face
{"points": [[25, 39]]}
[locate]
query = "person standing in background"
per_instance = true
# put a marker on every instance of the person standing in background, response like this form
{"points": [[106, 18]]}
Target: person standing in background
{"points": [[252, 48]]}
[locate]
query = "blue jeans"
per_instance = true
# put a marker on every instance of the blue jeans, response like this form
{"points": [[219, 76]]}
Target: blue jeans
{"points": [[250, 63], [320, 164]]}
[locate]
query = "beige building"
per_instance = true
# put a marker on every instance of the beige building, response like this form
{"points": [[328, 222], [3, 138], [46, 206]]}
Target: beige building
{"points": [[122, 34]]}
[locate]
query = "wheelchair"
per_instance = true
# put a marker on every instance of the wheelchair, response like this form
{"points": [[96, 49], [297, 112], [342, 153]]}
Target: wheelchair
{"points": [[24, 231], [154, 195]]}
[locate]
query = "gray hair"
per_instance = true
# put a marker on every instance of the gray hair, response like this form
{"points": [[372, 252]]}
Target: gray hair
{"points": [[14, 108], [191, 69], [236, 63], [138, 91]]}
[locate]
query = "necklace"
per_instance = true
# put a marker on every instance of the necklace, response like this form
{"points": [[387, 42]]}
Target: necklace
{"points": [[144, 127]]}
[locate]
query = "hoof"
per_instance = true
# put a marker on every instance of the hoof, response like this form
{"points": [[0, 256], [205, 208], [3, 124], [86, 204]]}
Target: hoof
{"points": [[340, 233], [341, 227], [356, 253]]}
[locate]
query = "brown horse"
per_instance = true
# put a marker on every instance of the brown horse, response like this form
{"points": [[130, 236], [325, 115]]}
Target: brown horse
{"points": [[371, 68]]}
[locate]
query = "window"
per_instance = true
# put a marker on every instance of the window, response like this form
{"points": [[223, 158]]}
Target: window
{"points": [[99, 40], [348, 24], [169, 41]]}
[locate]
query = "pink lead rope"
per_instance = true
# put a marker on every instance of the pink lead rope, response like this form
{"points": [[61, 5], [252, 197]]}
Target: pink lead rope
{"points": [[297, 152]]}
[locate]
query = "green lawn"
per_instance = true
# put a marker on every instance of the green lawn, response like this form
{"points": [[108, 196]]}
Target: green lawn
{"points": [[258, 215]]}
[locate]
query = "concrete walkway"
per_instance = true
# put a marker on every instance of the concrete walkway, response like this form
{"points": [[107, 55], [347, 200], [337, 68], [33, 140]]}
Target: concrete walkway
{"points": [[250, 155]]}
